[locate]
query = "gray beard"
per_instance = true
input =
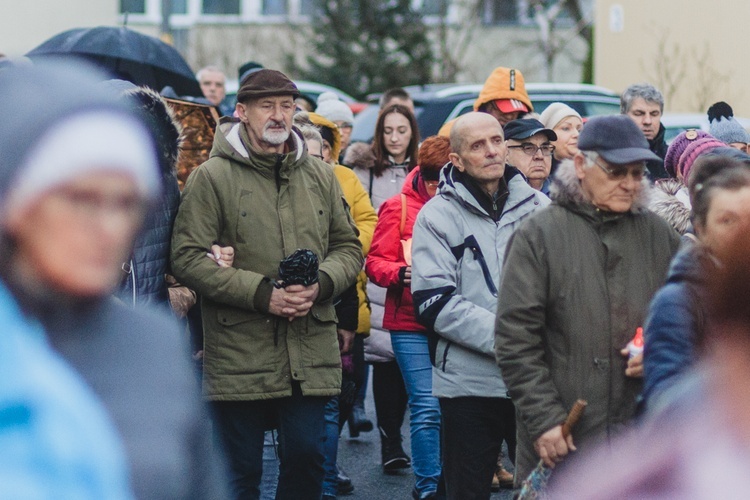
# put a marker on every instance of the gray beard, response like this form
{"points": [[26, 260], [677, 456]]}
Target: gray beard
{"points": [[275, 138]]}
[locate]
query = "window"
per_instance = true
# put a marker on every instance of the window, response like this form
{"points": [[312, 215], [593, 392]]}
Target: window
{"points": [[434, 7], [221, 7], [274, 7], [500, 12], [133, 6], [178, 7], [307, 7]]}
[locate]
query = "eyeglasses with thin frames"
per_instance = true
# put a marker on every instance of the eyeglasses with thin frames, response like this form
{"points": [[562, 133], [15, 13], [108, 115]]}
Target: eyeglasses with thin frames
{"points": [[531, 149], [619, 172]]}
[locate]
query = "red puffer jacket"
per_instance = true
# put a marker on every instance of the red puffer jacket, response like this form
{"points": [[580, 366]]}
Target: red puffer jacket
{"points": [[386, 257]]}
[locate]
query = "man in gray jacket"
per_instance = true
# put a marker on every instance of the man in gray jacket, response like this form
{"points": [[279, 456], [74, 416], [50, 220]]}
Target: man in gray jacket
{"points": [[576, 285], [458, 249]]}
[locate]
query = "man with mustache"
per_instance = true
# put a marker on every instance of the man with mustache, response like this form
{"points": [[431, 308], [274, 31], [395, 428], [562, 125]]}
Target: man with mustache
{"points": [[458, 249], [575, 288], [271, 356]]}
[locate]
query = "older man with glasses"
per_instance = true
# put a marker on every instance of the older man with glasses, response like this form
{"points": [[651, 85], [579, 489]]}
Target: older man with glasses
{"points": [[530, 151], [575, 288]]}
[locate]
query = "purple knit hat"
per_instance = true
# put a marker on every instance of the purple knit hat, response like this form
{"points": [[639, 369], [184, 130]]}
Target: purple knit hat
{"points": [[678, 146], [693, 151]]}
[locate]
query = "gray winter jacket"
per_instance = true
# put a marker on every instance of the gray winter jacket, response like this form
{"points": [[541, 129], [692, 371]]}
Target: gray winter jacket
{"points": [[457, 255]]}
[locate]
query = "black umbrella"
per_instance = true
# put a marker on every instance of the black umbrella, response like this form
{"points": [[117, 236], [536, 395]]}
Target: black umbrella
{"points": [[125, 54]]}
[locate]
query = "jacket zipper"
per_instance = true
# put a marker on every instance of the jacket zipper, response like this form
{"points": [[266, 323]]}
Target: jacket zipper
{"points": [[277, 172], [479, 257], [445, 353], [132, 279]]}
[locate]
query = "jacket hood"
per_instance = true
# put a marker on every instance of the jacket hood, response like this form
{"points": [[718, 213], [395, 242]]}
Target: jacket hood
{"points": [[689, 262], [566, 190], [320, 121], [411, 188], [162, 124], [359, 155], [504, 83], [665, 203], [228, 144]]}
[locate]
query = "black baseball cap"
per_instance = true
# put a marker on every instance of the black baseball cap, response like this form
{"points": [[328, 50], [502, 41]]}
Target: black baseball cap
{"points": [[525, 128], [616, 138]]}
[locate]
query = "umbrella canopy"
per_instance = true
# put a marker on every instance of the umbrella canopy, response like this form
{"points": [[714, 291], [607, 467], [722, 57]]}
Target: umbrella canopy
{"points": [[126, 54]]}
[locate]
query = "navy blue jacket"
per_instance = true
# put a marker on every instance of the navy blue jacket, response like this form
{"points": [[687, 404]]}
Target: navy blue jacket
{"points": [[144, 282], [675, 321]]}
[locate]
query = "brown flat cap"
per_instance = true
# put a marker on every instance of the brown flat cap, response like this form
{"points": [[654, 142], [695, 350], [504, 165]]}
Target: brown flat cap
{"points": [[265, 83]]}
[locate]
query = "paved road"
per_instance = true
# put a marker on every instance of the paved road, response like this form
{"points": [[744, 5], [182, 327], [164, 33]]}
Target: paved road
{"points": [[360, 459]]}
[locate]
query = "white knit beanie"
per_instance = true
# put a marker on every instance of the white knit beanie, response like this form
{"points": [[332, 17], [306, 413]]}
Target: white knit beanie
{"points": [[85, 143], [331, 108], [555, 113]]}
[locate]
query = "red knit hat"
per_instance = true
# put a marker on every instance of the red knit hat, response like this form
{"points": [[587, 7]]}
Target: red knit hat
{"points": [[693, 151]]}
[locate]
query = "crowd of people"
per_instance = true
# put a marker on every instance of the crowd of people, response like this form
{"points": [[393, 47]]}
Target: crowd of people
{"points": [[485, 278]]}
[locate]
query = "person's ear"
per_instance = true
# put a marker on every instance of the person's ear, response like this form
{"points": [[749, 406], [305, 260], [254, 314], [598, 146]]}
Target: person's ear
{"points": [[456, 160], [579, 161], [241, 112]]}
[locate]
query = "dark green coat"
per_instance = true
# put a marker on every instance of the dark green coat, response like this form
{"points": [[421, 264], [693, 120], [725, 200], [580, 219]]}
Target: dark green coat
{"points": [[576, 284], [265, 206]]}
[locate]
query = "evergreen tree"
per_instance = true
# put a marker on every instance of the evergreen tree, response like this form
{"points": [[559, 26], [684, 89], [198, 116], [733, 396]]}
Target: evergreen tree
{"points": [[364, 46]]}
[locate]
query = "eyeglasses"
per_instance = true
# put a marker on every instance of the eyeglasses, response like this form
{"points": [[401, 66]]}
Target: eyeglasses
{"points": [[619, 172], [319, 157], [531, 149]]}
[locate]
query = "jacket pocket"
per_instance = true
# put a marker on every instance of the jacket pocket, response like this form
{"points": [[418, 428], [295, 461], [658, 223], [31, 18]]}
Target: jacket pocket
{"points": [[320, 341], [444, 355], [242, 343]]}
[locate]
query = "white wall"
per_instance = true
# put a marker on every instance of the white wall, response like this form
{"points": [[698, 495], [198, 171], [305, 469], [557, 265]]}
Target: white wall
{"points": [[694, 51], [24, 24]]}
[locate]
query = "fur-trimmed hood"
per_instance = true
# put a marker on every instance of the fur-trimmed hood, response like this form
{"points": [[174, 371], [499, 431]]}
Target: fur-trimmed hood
{"points": [[359, 155], [164, 127], [666, 203], [566, 190]]}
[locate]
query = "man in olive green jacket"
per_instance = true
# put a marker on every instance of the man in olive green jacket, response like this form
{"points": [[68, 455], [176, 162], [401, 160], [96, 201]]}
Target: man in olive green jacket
{"points": [[575, 287], [271, 355]]}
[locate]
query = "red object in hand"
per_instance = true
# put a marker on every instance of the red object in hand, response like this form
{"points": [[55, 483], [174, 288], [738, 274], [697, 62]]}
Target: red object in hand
{"points": [[635, 346]]}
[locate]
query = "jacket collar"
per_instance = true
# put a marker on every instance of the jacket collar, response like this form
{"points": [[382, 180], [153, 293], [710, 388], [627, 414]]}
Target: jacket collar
{"points": [[566, 191], [655, 144], [230, 143], [519, 192]]}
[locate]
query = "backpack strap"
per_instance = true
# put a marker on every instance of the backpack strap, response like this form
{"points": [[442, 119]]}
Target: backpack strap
{"points": [[403, 215]]}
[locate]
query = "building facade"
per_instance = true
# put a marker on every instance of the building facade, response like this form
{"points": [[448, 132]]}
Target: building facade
{"points": [[479, 34]]}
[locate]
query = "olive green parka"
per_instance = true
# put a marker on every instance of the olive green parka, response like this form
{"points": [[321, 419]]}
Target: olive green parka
{"points": [[265, 206]]}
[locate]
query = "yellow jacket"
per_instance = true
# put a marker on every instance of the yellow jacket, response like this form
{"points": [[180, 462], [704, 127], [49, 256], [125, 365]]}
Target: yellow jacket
{"points": [[365, 219]]}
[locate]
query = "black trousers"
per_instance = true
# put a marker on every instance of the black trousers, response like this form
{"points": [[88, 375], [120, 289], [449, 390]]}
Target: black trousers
{"points": [[473, 431], [389, 394], [301, 424]]}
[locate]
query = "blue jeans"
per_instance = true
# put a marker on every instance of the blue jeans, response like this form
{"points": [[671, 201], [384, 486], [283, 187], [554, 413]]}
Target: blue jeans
{"points": [[300, 421], [330, 483], [413, 357]]}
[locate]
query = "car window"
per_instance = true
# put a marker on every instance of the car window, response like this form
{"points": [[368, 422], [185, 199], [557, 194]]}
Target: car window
{"points": [[601, 108], [461, 108], [364, 124]]}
